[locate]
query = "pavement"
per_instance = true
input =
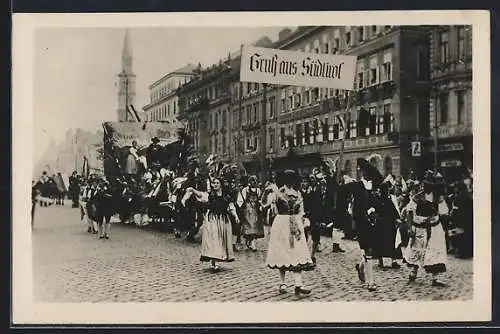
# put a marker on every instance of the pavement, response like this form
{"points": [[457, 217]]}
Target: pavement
{"points": [[148, 265]]}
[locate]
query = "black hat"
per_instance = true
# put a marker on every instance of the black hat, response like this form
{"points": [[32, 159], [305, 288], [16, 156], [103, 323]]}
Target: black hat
{"points": [[370, 172], [426, 209], [290, 177]]}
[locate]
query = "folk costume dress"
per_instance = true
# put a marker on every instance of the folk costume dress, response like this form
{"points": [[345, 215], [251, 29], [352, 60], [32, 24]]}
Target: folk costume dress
{"points": [[216, 244], [131, 165], [427, 246], [250, 213], [288, 248]]}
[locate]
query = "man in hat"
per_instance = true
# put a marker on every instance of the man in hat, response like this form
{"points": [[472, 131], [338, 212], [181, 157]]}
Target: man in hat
{"points": [[321, 214], [153, 153], [74, 189], [328, 179]]}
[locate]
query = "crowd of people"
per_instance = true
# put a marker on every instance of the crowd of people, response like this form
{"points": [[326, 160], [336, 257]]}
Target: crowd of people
{"points": [[412, 221]]}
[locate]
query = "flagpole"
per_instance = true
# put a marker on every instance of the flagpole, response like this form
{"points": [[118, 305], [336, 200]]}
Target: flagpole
{"points": [[346, 126], [263, 139], [341, 153], [240, 107]]}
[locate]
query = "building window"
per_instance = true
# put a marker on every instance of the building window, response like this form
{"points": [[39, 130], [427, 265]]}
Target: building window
{"points": [[298, 99], [373, 120], [360, 74], [324, 129], [461, 42], [318, 137], [336, 128], [271, 139], [388, 165], [443, 108], [421, 65], [387, 119], [348, 38], [282, 137], [298, 134], [249, 87], [255, 112], [361, 34], [249, 115], [386, 74], [316, 95], [290, 103], [374, 30], [307, 97], [444, 47], [224, 120], [326, 48], [307, 133], [460, 107], [271, 107], [336, 45], [373, 70], [249, 144], [353, 129]]}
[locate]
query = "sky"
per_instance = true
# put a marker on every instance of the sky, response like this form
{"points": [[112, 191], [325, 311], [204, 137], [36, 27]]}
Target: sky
{"points": [[75, 83]]}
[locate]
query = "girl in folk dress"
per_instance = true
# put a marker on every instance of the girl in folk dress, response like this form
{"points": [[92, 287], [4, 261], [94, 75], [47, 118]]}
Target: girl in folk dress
{"points": [[427, 246], [216, 245], [288, 250], [250, 212]]}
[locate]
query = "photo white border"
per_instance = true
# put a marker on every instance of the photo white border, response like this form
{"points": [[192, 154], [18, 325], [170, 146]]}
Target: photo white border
{"points": [[26, 311]]}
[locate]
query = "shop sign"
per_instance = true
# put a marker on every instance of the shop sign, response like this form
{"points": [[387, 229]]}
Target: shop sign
{"points": [[451, 163], [448, 147]]}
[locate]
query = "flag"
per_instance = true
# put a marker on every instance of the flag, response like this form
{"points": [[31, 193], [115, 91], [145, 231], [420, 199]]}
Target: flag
{"points": [[135, 115], [342, 125]]}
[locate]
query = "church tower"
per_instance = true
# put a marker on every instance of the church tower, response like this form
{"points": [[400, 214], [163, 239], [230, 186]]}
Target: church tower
{"points": [[126, 82]]}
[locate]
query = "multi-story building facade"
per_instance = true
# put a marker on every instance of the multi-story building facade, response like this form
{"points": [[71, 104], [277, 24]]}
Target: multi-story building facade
{"points": [[164, 104], [451, 99], [204, 106], [387, 108], [210, 104]]}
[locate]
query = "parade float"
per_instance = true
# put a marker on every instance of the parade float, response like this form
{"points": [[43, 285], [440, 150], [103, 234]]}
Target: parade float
{"points": [[146, 197]]}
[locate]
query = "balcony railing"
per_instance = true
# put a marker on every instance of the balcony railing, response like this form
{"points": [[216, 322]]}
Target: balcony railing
{"points": [[195, 106], [334, 146], [454, 130]]}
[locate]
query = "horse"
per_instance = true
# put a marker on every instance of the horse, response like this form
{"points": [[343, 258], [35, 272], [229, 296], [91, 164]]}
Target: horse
{"points": [[104, 204]]}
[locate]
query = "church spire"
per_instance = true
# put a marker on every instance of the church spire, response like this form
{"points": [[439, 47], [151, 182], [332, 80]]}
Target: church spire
{"points": [[126, 90], [126, 54]]}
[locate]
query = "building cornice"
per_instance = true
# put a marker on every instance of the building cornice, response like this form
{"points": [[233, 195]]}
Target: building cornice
{"points": [[161, 100], [168, 76]]}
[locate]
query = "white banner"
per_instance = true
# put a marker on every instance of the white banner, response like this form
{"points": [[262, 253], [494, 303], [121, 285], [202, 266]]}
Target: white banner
{"points": [[281, 67]]}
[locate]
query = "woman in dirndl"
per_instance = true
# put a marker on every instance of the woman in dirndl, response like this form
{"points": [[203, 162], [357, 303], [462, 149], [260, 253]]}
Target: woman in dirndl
{"points": [[216, 244], [131, 164], [288, 250], [248, 203], [427, 246]]}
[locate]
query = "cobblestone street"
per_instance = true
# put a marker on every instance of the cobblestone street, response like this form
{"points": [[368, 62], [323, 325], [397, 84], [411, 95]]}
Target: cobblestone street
{"points": [[145, 265]]}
